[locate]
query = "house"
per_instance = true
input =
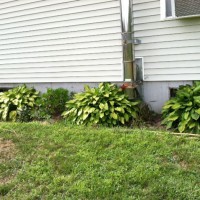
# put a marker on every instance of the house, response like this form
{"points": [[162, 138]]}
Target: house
{"points": [[69, 43], [170, 45]]}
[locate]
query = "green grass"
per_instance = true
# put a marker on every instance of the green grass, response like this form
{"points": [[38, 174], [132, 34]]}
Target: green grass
{"points": [[65, 162]]}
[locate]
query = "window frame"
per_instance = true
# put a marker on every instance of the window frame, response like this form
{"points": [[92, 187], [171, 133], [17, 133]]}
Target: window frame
{"points": [[163, 10], [140, 62]]}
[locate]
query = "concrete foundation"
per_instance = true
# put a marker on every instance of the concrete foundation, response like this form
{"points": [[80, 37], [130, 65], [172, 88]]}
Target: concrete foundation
{"points": [[155, 94]]}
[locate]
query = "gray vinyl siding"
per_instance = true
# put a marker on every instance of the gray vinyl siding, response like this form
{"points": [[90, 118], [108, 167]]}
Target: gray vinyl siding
{"points": [[60, 41], [170, 48]]}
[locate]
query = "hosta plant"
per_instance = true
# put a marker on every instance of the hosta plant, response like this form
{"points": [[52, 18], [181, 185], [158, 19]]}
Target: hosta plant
{"points": [[182, 112], [105, 105], [15, 102]]}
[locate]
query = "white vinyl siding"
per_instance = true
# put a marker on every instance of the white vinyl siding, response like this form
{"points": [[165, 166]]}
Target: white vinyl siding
{"points": [[60, 41], [170, 48]]}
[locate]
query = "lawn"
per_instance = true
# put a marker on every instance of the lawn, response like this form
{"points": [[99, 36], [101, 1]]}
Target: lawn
{"points": [[41, 161]]}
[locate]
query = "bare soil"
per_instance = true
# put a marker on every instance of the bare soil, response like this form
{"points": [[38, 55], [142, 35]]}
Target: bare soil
{"points": [[7, 152], [7, 148]]}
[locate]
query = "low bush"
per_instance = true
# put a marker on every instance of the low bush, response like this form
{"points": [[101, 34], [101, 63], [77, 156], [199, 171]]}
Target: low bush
{"points": [[17, 103], [39, 114], [147, 116], [106, 105], [183, 111], [51, 103]]}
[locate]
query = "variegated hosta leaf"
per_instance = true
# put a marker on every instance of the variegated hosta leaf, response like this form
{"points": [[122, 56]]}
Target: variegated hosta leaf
{"points": [[183, 111], [14, 100], [106, 105]]}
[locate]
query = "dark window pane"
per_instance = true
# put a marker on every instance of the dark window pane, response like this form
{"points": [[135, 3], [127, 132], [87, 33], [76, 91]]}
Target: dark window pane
{"points": [[173, 92], [168, 8]]}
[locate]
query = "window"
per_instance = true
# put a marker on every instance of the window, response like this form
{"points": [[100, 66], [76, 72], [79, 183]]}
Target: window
{"points": [[180, 8], [167, 9], [172, 92], [4, 89], [139, 68]]}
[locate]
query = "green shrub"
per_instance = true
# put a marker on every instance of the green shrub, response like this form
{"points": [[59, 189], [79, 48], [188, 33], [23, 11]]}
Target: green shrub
{"points": [[106, 105], [147, 116], [183, 111], [39, 114], [15, 103], [52, 102]]}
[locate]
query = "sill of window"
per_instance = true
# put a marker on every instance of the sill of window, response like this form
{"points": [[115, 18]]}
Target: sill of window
{"points": [[169, 18], [177, 18]]}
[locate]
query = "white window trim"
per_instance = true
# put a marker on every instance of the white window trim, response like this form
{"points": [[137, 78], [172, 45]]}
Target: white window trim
{"points": [[142, 58], [163, 10]]}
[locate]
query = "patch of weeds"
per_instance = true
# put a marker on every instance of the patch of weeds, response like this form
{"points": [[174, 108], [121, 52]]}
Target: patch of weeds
{"points": [[6, 188]]}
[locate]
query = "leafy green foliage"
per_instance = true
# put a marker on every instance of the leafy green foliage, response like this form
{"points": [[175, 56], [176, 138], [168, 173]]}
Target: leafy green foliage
{"points": [[183, 111], [39, 114], [52, 103], [147, 116], [106, 105], [15, 103]]}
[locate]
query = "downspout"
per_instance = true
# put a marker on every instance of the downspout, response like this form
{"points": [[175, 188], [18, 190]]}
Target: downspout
{"points": [[128, 48]]}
